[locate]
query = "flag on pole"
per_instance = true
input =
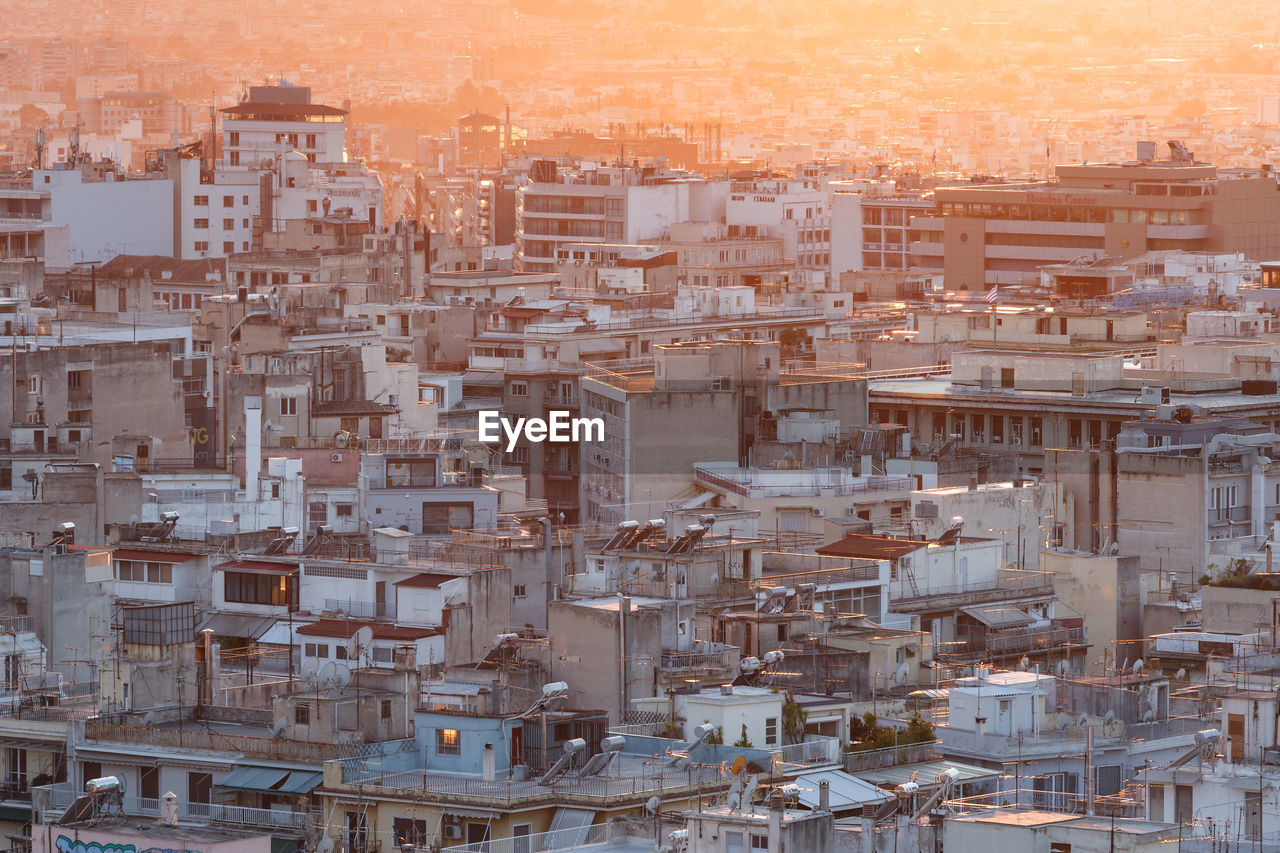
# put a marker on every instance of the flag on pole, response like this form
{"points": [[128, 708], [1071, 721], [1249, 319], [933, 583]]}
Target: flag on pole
{"points": [[992, 295]]}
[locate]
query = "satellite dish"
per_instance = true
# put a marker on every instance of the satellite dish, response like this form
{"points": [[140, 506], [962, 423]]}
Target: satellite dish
{"points": [[309, 667], [149, 719], [280, 727], [327, 676], [326, 845], [739, 764], [749, 794], [1138, 665], [359, 642], [651, 805], [1181, 674], [342, 677]]}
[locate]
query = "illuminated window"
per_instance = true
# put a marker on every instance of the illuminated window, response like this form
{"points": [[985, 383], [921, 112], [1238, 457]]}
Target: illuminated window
{"points": [[448, 742]]}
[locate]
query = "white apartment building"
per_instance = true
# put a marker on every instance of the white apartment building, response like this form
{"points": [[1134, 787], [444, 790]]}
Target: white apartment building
{"points": [[798, 212], [276, 119]]}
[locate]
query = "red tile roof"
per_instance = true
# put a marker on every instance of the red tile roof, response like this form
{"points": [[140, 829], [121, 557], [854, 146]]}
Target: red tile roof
{"points": [[872, 547], [153, 556], [260, 566], [426, 580], [346, 628]]}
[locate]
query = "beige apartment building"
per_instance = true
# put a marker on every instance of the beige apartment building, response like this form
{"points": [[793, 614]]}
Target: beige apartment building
{"points": [[1002, 233]]}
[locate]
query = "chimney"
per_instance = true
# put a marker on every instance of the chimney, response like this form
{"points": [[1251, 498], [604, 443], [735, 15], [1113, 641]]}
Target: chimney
{"points": [[824, 796], [775, 820], [252, 446]]}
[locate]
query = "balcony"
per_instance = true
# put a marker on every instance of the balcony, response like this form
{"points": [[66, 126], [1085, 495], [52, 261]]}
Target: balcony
{"points": [[202, 740], [54, 799], [705, 656], [1012, 643]]}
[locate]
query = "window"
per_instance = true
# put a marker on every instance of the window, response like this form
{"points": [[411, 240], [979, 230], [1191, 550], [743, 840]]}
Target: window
{"points": [[34, 385], [248, 588], [228, 246], [302, 713], [228, 224], [317, 513], [202, 245], [519, 389], [518, 590], [201, 201], [311, 140], [439, 518], [199, 787], [149, 783], [141, 571], [448, 742], [733, 842], [200, 224], [759, 842], [288, 405], [343, 510], [411, 473], [1059, 847], [385, 709], [770, 731], [381, 654], [233, 138], [409, 832], [228, 201]]}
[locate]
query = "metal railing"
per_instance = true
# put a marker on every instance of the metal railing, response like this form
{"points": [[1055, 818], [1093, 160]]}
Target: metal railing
{"points": [[747, 486], [1011, 642], [543, 842], [821, 577], [889, 756], [63, 794], [504, 793], [262, 747]]}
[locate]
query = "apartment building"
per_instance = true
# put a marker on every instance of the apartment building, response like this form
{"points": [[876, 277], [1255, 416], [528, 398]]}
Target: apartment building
{"points": [[604, 204], [692, 403], [1002, 233], [274, 120]]}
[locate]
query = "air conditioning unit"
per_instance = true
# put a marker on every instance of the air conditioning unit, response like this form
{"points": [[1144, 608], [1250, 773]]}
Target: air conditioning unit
{"points": [[335, 457], [452, 832], [817, 512]]}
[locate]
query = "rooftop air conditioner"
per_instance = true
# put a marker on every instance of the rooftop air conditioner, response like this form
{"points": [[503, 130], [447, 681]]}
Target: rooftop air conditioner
{"points": [[335, 457]]}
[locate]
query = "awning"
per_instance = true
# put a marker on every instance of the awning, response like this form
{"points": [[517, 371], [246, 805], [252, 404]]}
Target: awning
{"points": [[238, 625], [270, 780], [929, 693], [301, 782], [599, 345], [257, 779], [999, 616], [257, 567], [844, 792], [569, 827], [926, 772], [278, 634]]}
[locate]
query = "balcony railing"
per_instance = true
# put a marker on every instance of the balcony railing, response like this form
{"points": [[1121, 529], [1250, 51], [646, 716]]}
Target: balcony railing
{"points": [[198, 739], [1013, 642], [62, 794], [544, 842], [716, 658]]}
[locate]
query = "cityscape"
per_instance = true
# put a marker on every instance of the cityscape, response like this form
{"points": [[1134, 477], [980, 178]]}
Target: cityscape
{"points": [[574, 426]]}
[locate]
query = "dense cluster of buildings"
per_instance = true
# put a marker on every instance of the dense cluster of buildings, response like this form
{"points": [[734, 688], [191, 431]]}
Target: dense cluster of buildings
{"points": [[547, 496]]}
